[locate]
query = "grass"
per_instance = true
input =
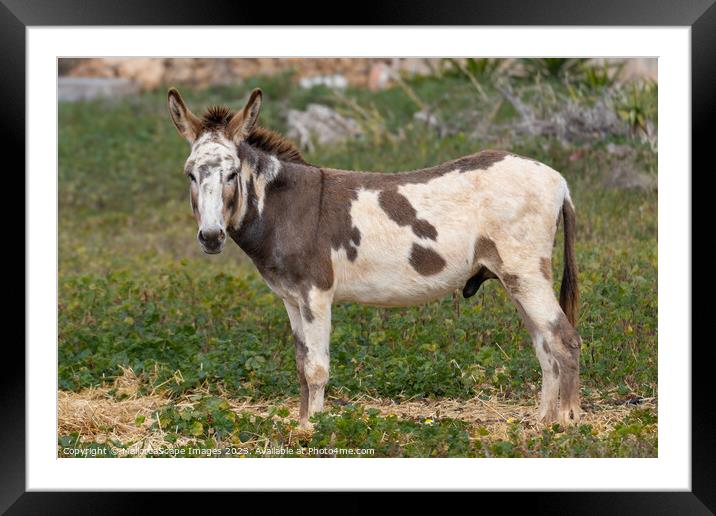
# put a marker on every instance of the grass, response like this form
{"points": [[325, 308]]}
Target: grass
{"points": [[136, 294]]}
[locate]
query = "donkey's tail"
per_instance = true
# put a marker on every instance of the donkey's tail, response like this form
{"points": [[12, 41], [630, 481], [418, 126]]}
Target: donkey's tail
{"points": [[569, 292]]}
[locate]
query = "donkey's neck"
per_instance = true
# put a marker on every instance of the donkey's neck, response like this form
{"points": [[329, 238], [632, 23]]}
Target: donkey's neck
{"points": [[248, 228], [276, 197]]}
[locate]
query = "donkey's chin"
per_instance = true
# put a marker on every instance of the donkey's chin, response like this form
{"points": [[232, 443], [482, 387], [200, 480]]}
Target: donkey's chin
{"points": [[212, 250]]}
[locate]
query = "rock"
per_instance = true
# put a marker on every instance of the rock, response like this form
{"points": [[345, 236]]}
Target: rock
{"points": [[624, 172], [149, 73], [626, 175], [379, 76], [94, 67], [87, 88], [332, 81], [179, 71], [319, 125], [573, 122], [416, 65], [619, 151], [639, 68]]}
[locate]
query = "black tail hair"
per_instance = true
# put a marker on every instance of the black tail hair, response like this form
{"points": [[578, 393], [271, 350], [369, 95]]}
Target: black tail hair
{"points": [[569, 291]]}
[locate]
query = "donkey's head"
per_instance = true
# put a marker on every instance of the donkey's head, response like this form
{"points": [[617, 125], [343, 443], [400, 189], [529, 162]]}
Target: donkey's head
{"points": [[213, 164]]}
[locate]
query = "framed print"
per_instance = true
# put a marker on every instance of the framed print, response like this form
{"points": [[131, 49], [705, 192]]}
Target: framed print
{"points": [[503, 303]]}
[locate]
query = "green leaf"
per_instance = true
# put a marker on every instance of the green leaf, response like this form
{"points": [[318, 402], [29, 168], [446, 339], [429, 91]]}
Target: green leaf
{"points": [[196, 428]]}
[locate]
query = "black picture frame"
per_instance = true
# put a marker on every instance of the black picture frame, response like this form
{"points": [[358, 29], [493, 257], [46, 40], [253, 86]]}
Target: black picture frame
{"points": [[700, 16]]}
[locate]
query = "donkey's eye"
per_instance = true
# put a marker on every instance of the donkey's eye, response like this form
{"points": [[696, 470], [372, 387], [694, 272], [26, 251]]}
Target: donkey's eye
{"points": [[192, 178], [231, 177]]}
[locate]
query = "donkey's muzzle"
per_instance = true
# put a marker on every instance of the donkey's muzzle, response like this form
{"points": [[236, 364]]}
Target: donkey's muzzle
{"points": [[212, 240]]}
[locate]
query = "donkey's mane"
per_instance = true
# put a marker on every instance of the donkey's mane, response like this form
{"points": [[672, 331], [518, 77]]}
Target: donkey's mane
{"points": [[275, 143], [217, 118]]}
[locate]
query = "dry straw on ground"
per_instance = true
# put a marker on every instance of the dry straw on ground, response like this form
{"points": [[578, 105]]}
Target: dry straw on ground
{"points": [[111, 414], [99, 416]]}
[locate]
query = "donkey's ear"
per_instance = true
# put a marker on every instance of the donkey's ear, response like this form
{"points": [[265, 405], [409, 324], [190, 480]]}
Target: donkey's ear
{"points": [[243, 122], [185, 121]]}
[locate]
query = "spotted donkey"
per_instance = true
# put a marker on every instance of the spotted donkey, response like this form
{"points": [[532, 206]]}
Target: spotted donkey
{"points": [[319, 235]]}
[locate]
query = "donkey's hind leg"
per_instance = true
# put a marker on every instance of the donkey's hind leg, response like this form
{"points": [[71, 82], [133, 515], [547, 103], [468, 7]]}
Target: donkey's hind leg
{"points": [[556, 343]]}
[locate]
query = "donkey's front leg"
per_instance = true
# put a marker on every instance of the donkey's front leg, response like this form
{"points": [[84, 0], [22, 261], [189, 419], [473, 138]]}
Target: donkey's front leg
{"points": [[316, 321], [294, 316]]}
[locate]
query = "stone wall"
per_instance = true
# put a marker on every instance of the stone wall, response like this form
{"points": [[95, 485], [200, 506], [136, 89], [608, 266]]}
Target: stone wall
{"points": [[201, 72], [373, 73]]}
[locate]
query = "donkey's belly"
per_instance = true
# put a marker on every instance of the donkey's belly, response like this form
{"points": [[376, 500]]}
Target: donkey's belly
{"points": [[396, 291]]}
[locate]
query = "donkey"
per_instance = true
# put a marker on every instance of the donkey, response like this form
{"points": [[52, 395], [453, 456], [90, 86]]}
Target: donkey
{"points": [[319, 235]]}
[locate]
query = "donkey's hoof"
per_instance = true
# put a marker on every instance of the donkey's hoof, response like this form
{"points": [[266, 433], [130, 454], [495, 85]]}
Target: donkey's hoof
{"points": [[570, 415], [547, 416]]}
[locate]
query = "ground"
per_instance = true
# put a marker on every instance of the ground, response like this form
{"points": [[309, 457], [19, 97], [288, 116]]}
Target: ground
{"points": [[163, 347]]}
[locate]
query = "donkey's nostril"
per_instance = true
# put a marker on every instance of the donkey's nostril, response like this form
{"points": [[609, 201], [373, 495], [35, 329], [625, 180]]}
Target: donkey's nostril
{"points": [[222, 235]]}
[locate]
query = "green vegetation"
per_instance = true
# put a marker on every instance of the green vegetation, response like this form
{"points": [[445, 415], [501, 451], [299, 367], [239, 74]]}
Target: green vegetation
{"points": [[135, 290]]}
